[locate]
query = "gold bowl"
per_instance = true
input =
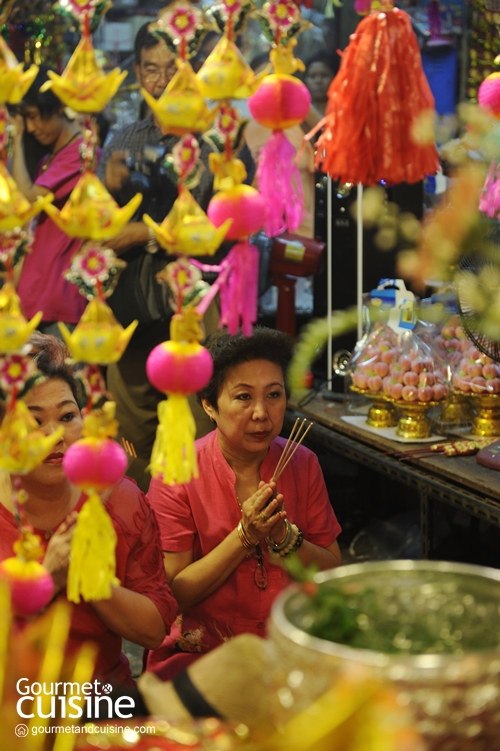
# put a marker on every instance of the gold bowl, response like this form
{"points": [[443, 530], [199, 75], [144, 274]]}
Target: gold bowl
{"points": [[486, 421], [382, 413], [413, 421]]}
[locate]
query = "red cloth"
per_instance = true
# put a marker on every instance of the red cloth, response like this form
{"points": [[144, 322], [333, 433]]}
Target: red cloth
{"points": [[42, 286], [200, 515], [139, 567]]}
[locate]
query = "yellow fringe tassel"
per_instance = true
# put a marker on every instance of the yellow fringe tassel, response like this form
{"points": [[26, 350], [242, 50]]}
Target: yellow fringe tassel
{"points": [[92, 565], [173, 454]]}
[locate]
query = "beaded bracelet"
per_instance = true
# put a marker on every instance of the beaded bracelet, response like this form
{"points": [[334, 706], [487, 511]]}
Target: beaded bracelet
{"points": [[275, 546], [296, 540]]}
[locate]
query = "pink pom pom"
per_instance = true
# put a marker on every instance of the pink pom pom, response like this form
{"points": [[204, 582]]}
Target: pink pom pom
{"points": [[29, 593], [280, 102], [179, 368], [93, 464], [489, 95], [244, 205]]}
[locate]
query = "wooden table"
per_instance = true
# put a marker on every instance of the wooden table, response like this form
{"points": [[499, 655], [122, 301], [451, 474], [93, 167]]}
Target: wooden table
{"points": [[456, 481]]}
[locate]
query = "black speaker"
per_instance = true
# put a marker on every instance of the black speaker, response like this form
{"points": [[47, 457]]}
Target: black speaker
{"points": [[377, 264]]}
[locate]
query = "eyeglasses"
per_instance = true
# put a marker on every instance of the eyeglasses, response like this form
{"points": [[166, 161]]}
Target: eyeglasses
{"points": [[152, 75]]}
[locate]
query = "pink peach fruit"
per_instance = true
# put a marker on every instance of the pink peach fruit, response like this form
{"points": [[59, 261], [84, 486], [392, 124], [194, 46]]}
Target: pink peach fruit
{"points": [[360, 380], [410, 378], [474, 369], [381, 369], [375, 383], [438, 392], [493, 386], [405, 363], [424, 394], [478, 385], [410, 393], [396, 390], [426, 379]]}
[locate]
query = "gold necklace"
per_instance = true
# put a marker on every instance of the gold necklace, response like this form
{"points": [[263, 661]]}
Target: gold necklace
{"points": [[55, 153]]}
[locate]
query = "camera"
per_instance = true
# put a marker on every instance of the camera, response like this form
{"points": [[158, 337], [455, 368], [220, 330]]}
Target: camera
{"points": [[147, 174]]}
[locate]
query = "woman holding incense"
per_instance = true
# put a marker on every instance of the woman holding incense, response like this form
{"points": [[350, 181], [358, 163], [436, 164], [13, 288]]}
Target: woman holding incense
{"points": [[225, 534]]}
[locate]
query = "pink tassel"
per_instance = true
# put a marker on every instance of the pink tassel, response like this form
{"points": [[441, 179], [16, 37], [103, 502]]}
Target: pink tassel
{"points": [[239, 294], [489, 202], [280, 185]]}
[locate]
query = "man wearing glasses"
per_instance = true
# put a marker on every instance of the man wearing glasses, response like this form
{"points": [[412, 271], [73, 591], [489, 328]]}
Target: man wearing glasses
{"points": [[131, 163]]}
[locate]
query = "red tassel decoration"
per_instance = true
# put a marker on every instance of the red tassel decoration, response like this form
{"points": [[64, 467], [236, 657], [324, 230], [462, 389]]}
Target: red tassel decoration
{"points": [[377, 98]]}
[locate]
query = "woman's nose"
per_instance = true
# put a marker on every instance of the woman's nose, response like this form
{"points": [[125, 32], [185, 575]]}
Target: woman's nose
{"points": [[260, 410]]}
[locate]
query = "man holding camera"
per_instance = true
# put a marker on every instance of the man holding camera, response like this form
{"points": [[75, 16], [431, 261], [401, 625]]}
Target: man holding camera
{"points": [[131, 163]]}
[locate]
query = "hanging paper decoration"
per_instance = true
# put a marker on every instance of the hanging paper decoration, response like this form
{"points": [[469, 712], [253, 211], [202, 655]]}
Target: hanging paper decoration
{"points": [[91, 212], [246, 208], [280, 102], [380, 113], [14, 80], [225, 74], [181, 109], [31, 586], [177, 368], [15, 330], [15, 209], [187, 229], [83, 85], [489, 101], [85, 12], [94, 463]]}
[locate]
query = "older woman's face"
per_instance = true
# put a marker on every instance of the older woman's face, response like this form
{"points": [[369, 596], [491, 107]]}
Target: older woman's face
{"points": [[251, 407], [52, 404]]}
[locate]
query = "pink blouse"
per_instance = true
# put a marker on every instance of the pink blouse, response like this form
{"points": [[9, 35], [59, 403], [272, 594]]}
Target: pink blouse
{"points": [[42, 285], [139, 567], [201, 514]]}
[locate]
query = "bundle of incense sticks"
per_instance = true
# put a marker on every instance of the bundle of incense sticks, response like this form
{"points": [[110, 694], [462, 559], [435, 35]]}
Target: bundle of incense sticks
{"points": [[297, 435], [456, 448]]}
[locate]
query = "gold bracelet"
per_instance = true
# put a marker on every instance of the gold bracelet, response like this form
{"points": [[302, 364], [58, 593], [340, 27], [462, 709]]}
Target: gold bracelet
{"points": [[243, 537]]}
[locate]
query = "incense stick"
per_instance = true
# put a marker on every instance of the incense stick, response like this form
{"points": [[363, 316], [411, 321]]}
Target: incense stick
{"points": [[294, 440]]}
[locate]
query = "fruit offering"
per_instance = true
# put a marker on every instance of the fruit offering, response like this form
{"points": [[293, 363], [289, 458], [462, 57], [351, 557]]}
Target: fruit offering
{"points": [[404, 371], [452, 341], [476, 373]]}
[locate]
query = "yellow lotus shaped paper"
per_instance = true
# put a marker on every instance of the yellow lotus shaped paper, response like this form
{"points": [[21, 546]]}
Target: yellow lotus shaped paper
{"points": [[98, 337], [14, 80], [22, 445], [187, 229], [181, 108], [15, 209], [15, 330], [83, 85], [225, 74], [91, 212]]}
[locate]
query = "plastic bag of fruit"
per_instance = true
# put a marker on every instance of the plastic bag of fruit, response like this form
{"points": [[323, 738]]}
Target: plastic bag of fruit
{"points": [[372, 359], [476, 373], [399, 366]]}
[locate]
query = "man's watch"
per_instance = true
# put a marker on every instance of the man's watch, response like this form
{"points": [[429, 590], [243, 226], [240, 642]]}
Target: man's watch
{"points": [[151, 245]]}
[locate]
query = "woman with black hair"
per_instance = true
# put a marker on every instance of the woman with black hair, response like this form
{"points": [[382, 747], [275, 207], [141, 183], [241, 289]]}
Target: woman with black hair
{"points": [[42, 286], [224, 533], [141, 608]]}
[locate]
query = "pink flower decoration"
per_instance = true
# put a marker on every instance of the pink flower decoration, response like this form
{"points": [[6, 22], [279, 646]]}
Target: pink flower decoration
{"points": [[182, 23], [15, 370], [282, 14], [185, 155], [182, 276], [227, 120], [94, 263], [232, 6]]}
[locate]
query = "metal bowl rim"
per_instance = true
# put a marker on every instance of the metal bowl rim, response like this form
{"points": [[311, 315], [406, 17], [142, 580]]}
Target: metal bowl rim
{"points": [[368, 656]]}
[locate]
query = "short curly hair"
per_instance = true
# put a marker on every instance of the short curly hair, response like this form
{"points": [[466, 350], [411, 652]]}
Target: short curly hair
{"points": [[51, 358], [228, 351]]}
